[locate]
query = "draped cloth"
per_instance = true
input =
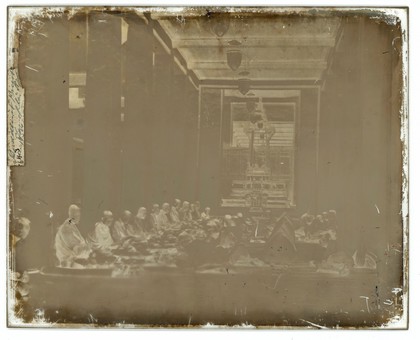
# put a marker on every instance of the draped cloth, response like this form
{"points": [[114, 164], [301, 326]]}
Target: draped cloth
{"points": [[154, 217], [281, 247], [138, 229], [120, 231], [70, 244], [165, 220], [175, 215], [205, 216], [101, 237], [364, 259], [185, 214]]}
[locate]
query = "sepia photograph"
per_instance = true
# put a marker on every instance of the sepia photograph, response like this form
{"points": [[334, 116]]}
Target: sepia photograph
{"points": [[207, 166]]}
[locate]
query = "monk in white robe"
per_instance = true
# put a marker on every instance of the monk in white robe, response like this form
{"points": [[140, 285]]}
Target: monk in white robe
{"points": [[185, 212], [70, 245], [205, 215], [175, 211], [121, 228], [101, 237], [154, 216], [165, 219], [139, 230]]}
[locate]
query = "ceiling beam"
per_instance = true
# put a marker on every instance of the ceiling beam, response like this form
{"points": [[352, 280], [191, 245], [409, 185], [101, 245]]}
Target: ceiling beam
{"points": [[228, 83], [263, 41], [261, 64], [165, 40], [261, 74]]}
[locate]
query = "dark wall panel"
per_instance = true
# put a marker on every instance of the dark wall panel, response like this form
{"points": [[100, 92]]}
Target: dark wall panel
{"points": [[102, 144], [306, 152], [43, 185], [210, 148]]}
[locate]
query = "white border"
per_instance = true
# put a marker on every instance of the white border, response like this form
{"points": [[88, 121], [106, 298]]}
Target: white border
{"points": [[414, 96]]}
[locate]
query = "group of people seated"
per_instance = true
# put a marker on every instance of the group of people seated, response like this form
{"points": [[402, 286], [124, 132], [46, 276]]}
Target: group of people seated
{"points": [[206, 238], [110, 232], [315, 223]]}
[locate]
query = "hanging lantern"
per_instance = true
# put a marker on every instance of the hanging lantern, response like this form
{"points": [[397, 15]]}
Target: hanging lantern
{"points": [[234, 59], [219, 24], [244, 85]]}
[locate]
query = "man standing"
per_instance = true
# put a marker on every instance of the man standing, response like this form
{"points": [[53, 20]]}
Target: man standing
{"points": [[69, 242]]}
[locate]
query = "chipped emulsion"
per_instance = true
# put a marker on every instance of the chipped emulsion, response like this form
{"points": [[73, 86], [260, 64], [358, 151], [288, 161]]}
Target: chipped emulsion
{"points": [[16, 156], [16, 94], [15, 101], [15, 120], [15, 91]]}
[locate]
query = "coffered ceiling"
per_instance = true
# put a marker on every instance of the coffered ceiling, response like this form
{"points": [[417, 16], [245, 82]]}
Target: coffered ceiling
{"points": [[271, 47]]}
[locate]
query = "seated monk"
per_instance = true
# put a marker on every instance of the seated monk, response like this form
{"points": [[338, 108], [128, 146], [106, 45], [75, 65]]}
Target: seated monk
{"points": [[185, 212], [121, 226], [141, 224], [227, 238], [165, 219], [175, 210], [318, 224], [69, 242], [205, 215], [198, 209], [19, 231], [194, 212], [101, 237], [307, 221], [154, 216], [332, 219]]}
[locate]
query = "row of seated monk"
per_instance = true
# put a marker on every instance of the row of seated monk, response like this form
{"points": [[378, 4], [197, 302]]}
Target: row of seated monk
{"points": [[70, 244], [223, 233]]}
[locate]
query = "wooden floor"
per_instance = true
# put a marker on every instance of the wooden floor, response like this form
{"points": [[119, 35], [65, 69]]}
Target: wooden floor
{"points": [[184, 297]]}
